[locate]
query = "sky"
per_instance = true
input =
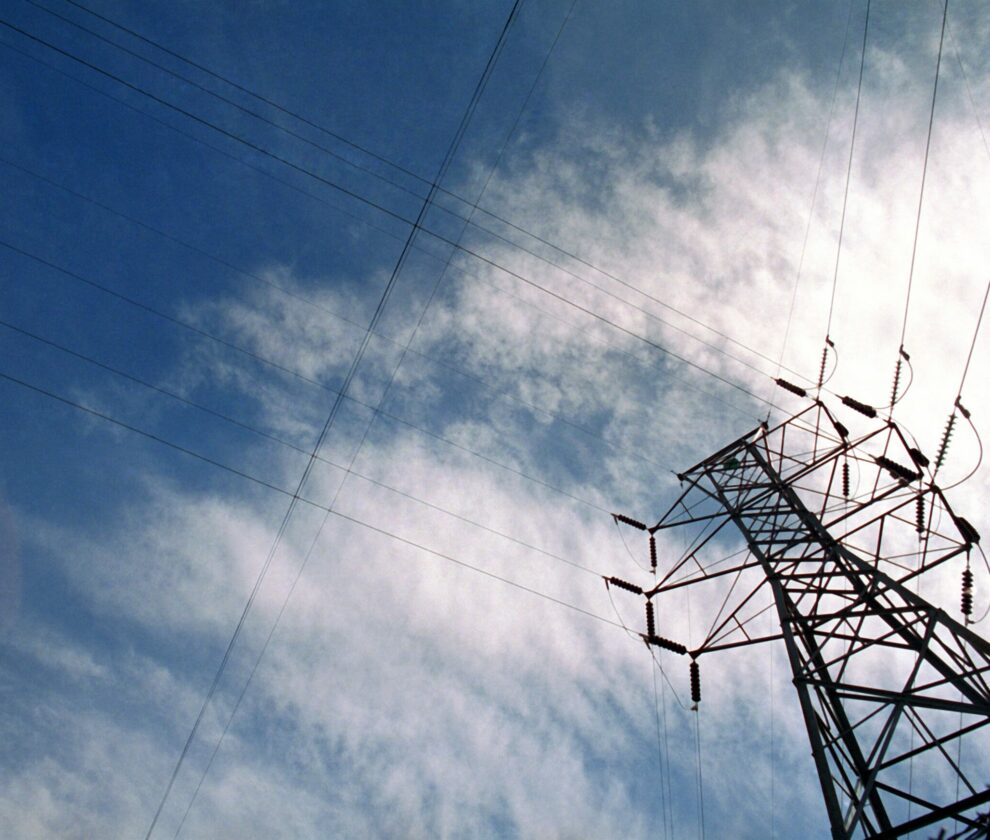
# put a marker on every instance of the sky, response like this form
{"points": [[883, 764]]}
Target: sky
{"points": [[205, 208]]}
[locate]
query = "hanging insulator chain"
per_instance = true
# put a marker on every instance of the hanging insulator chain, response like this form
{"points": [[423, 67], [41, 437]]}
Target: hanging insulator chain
{"points": [[624, 584], [898, 471], [635, 523], [651, 628], [667, 644], [919, 514], [946, 437], [653, 552], [790, 386], [695, 682], [845, 479], [897, 381], [861, 407], [967, 592], [821, 371]]}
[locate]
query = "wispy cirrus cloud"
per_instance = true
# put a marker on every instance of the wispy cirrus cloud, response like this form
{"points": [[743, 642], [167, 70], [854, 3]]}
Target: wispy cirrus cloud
{"points": [[404, 695]]}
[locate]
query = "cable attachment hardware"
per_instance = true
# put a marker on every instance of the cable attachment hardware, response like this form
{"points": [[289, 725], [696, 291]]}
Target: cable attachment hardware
{"points": [[919, 514], [794, 389], [845, 479], [918, 457], [635, 523], [962, 409], [695, 682], [966, 530], [946, 437], [651, 628], [653, 552], [622, 584], [967, 592], [862, 408]]}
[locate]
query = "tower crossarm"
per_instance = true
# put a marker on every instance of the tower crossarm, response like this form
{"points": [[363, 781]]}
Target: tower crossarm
{"points": [[888, 683]]}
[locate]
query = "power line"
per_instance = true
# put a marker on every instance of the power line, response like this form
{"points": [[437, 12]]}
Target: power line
{"points": [[969, 90], [309, 502], [845, 193], [660, 761], [305, 561], [261, 98], [814, 192], [289, 445], [337, 392], [226, 100], [350, 193], [924, 173], [257, 357], [423, 180], [266, 281], [216, 149], [972, 346], [382, 303], [158, 313], [437, 181], [441, 172], [332, 313]]}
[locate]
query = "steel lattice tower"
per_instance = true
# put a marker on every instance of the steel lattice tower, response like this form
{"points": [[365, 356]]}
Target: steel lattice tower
{"points": [[889, 685]]}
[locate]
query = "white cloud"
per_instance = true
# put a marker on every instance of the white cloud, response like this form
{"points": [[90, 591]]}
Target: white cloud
{"points": [[404, 695]]}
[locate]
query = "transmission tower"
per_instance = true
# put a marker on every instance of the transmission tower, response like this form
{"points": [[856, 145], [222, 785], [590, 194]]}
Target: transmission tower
{"points": [[843, 533]]}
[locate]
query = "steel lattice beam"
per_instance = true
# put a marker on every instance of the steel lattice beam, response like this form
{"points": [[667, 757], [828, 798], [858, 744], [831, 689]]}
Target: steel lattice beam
{"points": [[887, 682]]}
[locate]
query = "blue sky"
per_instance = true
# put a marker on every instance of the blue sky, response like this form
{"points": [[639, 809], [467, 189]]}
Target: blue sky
{"points": [[673, 148]]}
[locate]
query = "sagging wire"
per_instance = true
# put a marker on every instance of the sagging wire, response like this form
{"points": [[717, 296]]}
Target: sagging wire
{"points": [[921, 192], [663, 752], [625, 545], [701, 781], [632, 634], [661, 762], [814, 195], [852, 147], [986, 563]]}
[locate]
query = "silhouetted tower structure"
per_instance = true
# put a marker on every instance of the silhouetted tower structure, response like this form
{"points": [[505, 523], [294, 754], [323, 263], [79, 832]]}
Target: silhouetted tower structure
{"points": [[848, 537]]}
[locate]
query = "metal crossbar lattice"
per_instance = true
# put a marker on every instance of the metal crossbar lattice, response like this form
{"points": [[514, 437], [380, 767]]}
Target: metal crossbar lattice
{"points": [[888, 683]]}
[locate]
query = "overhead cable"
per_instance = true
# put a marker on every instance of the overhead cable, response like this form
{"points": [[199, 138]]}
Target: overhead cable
{"points": [[302, 499], [849, 163], [264, 360], [398, 216], [972, 344], [295, 115], [357, 450], [288, 444], [441, 362], [814, 194], [331, 416], [924, 173]]}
